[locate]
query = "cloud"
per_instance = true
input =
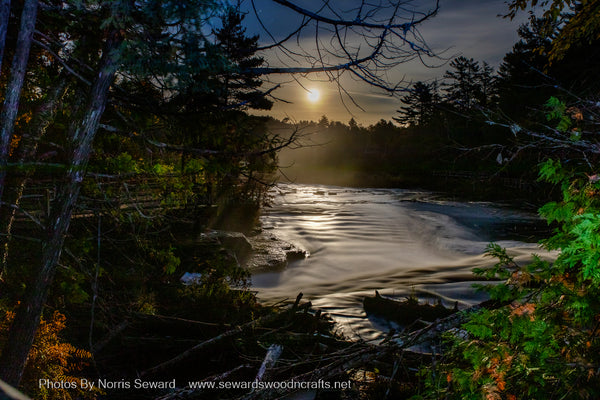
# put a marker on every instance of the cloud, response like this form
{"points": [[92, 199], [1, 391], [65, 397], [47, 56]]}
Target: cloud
{"points": [[466, 27]]}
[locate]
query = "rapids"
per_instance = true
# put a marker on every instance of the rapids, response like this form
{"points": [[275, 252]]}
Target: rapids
{"points": [[397, 241]]}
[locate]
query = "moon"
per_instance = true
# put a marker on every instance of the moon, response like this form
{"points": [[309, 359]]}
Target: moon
{"points": [[313, 95]]}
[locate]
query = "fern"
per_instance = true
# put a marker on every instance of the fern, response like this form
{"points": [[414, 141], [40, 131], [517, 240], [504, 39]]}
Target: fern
{"points": [[51, 358]]}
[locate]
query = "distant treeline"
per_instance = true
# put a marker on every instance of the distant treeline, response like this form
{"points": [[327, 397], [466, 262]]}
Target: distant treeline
{"points": [[465, 131]]}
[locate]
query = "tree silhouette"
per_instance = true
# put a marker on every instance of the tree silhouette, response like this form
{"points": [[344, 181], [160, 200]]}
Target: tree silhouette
{"points": [[238, 84], [462, 87], [420, 104]]}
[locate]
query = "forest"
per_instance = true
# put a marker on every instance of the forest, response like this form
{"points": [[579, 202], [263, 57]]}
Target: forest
{"points": [[453, 130], [132, 153]]}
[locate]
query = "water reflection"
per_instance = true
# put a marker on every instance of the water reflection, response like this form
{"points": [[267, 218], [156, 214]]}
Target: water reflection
{"points": [[392, 240]]}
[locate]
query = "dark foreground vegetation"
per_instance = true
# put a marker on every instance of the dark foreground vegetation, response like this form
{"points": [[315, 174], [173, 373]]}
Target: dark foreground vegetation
{"points": [[129, 157]]}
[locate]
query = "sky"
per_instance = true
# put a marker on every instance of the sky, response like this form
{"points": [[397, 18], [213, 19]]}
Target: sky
{"points": [[471, 28]]}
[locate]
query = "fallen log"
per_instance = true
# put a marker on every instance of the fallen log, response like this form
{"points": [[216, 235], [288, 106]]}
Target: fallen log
{"points": [[331, 370], [367, 354], [436, 328], [273, 354], [7, 392], [183, 321], [405, 312], [110, 336]]}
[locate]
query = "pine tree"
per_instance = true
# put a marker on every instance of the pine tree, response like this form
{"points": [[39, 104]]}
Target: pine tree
{"points": [[463, 88], [420, 105], [324, 121], [239, 86], [487, 86], [520, 80]]}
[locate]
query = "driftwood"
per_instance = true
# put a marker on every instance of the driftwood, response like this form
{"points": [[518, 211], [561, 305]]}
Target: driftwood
{"points": [[297, 302], [7, 392], [273, 354], [436, 328], [332, 362], [364, 353], [331, 370], [405, 312]]}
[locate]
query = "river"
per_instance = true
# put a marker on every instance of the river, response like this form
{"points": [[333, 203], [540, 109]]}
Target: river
{"points": [[399, 242]]}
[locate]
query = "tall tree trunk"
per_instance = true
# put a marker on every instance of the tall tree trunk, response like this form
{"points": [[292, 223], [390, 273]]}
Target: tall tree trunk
{"points": [[27, 318], [35, 130], [15, 84], [4, 17]]}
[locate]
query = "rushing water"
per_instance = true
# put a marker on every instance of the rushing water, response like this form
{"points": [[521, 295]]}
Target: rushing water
{"points": [[392, 240]]}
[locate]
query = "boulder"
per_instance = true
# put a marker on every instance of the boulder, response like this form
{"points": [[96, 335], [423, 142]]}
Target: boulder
{"points": [[271, 253], [261, 252], [236, 242]]}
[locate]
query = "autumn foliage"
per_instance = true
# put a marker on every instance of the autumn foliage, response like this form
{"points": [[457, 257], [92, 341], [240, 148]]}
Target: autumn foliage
{"points": [[52, 359]]}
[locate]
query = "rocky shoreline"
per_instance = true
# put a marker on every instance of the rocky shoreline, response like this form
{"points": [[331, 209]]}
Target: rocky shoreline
{"points": [[260, 251]]}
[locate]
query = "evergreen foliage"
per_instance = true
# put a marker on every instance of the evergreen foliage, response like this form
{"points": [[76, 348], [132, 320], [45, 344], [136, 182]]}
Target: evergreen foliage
{"points": [[546, 342], [419, 105], [462, 87], [176, 152], [237, 82]]}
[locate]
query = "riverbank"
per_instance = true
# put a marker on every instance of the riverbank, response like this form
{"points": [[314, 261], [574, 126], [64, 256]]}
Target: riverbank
{"points": [[401, 242], [521, 193]]}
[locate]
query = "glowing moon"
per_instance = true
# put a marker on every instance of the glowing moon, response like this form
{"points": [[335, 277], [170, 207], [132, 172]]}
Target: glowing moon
{"points": [[313, 95]]}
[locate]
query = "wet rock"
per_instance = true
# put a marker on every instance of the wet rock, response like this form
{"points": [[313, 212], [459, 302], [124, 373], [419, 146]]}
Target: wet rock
{"points": [[261, 252]]}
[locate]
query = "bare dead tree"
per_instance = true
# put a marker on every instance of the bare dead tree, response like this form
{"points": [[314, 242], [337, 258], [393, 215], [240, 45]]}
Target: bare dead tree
{"points": [[15, 83], [4, 17]]}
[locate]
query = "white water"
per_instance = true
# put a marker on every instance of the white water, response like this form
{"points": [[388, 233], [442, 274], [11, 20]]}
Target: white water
{"points": [[392, 240]]}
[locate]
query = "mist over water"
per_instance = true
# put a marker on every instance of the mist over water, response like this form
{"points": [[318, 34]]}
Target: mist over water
{"points": [[392, 240]]}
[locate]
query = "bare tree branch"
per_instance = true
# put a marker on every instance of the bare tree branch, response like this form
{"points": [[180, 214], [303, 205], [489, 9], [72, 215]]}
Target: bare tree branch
{"points": [[367, 41]]}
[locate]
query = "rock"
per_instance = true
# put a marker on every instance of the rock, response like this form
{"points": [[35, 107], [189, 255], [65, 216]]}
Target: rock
{"points": [[271, 253], [296, 253], [261, 252], [236, 242]]}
